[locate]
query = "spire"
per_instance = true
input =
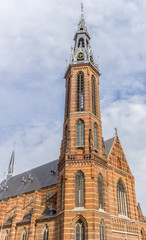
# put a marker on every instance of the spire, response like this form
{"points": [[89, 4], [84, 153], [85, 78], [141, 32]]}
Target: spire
{"points": [[82, 52], [11, 165]]}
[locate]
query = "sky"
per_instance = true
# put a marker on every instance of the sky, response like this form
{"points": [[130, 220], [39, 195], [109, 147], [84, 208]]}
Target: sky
{"points": [[35, 41]]}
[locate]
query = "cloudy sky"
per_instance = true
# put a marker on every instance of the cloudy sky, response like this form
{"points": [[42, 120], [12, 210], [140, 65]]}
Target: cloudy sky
{"points": [[35, 41]]}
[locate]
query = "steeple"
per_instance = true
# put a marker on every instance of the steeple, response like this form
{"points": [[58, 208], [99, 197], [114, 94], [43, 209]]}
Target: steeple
{"points": [[82, 52], [82, 129], [11, 166]]}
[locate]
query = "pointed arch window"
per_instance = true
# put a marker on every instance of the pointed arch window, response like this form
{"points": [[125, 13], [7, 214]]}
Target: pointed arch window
{"points": [[121, 195], [80, 91], [6, 235], [142, 234], [81, 43], [100, 190], [46, 233], [102, 235], [80, 133], [93, 96], [80, 230], [95, 136], [24, 235], [79, 189]]}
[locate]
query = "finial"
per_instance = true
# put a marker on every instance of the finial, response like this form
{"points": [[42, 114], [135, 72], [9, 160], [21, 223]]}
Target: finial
{"points": [[116, 131], [82, 7], [98, 63]]}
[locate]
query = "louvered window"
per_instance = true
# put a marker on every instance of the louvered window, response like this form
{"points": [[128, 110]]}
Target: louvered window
{"points": [[121, 195], [95, 136], [6, 235], [93, 96], [100, 190], [80, 133], [79, 189], [80, 231], [81, 43], [46, 233], [80, 91], [24, 236], [102, 237]]}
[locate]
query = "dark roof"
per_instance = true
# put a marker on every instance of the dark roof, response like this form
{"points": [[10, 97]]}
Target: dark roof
{"points": [[40, 177], [108, 144], [36, 178]]}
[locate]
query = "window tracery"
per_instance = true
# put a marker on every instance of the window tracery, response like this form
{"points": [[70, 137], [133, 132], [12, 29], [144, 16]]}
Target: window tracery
{"points": [[80, 230], [24, 235], [95, 136], [80, 91], [93, 96], [100, 190], [102, 235], [79, 189], [46, 233], [80, 133], [121, 195]]}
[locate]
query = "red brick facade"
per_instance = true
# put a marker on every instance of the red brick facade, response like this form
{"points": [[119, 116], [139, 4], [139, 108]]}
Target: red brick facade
{"points": [[24, 212]]}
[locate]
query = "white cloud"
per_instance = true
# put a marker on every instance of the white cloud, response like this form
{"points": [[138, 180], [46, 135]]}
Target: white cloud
{"points": [[35, 40]]}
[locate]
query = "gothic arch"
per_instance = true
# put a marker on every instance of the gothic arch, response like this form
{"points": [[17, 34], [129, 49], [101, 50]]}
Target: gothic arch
{"points": [[100, 191], [46, 232], [24, 234], [80, 91], [102, 230], [121, 198], [75, 220], [6, 235], [142, 232], [79, 189], [80, 133]]}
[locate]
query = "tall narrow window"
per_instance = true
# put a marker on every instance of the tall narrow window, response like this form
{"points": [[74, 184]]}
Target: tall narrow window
{"points": [[61, 192], [95, 136], [79, 189], [80, 91], [80, 231], [100, 190], [6, 235], [46, 233], [93, 96], [80, 133], [102, 231], [81, 43], [142, 234], [122, 202], [24, 235]]}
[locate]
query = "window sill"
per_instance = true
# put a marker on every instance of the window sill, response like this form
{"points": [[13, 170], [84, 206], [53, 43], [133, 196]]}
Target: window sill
{"points": [[79, 209], [101, 210]]}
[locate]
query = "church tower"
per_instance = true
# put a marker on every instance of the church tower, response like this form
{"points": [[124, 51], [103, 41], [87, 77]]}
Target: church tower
{"points": [[82, 154]]}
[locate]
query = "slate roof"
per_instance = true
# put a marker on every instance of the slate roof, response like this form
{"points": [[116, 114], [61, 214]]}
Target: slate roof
{"points": [[36, 178], [108, 144], [42, 176]]}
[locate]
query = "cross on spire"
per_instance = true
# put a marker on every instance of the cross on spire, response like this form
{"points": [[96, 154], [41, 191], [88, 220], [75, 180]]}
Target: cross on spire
{"points": [[82, 7]]}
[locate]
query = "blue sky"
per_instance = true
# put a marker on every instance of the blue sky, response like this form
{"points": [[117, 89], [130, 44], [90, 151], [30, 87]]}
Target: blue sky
{"points": [[35, 40]]}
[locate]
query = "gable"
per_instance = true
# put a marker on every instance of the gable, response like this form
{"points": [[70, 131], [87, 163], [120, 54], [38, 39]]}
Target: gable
{"points": [[116, 156]]}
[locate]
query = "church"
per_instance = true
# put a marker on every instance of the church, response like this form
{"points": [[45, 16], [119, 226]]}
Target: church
{"points": [[89, 192]]}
